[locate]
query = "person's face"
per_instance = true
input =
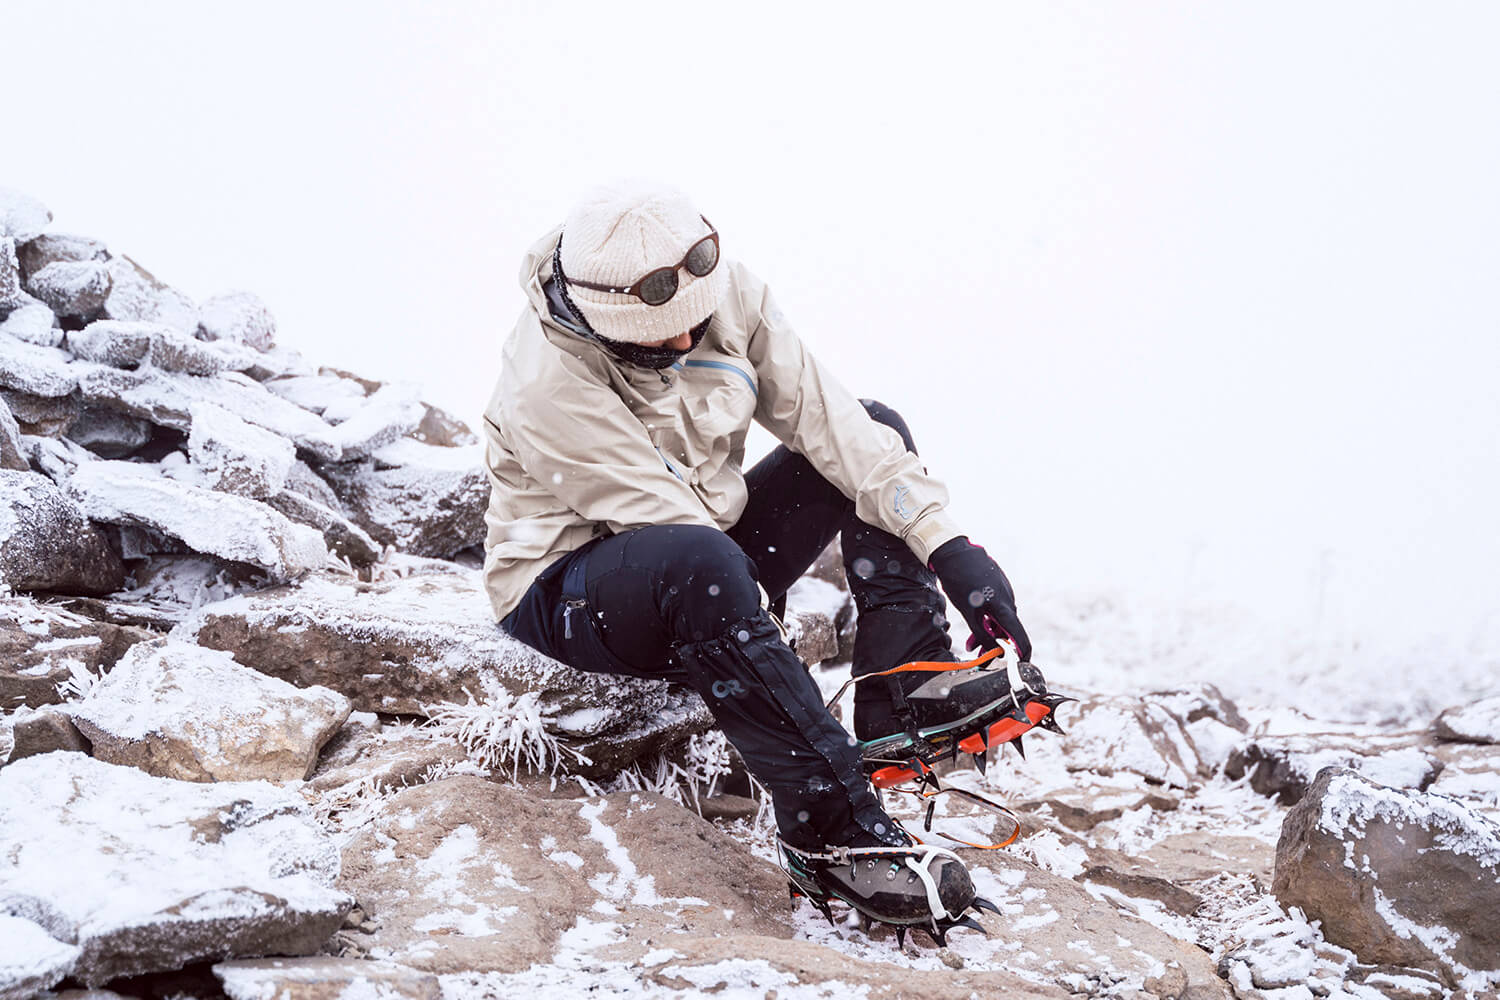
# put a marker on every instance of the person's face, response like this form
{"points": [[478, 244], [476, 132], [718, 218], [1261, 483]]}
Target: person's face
{"points": [[681, 342]]}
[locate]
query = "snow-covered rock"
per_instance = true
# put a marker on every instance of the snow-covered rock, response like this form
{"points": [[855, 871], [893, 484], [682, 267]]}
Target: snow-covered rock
{"points": [[12, 451], [1285, 766], [422, 499], [236, 456], [31, 960], [34, 369], [1398, 877], [148, 874], [167, 399], [1119, 733], [47, 542], [129, 344], [412, 645], [316, 393], [71, 287], [177, 710], [12, 295], [109, 433], [324, 978], [238, 317], [42, 730], [207, 521], [43, 646], [379, 419], [343, 537], [42, 416], [441, 428], [137, 294], [1476, 722], [22, 217], [49, 248], [813, 636], [32, 322], [467, 875]]}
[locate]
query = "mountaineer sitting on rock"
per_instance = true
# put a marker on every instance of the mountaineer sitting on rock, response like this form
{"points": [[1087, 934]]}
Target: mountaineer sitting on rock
{"points": [[626, 536]]}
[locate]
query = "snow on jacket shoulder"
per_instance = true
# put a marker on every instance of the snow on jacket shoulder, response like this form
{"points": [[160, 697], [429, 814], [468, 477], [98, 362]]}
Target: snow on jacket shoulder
{"points": [[581, 445]]}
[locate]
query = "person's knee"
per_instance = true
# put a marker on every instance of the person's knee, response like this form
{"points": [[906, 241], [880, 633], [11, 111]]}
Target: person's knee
{"points": [[882, 414], [709, 583]]}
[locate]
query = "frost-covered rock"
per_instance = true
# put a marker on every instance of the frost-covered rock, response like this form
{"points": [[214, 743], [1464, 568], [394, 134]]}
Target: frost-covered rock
{"points": [[167, 399], [238, 317], [148, 874], [217, 524], [109, 433], [324, 978], [343, 537], [1476, 722], [42, 730], [379, 419], [177, 710], [137, 294], [12, 295], [466, 874], [47, 542], [22, 217], [422, 499], [1117, 733], [31, 960], [34, 369], [42, 416], [49, 248], [128, 344], [375, 756], [413, 644], [813, 636], [238, 457], [32, 322], [71, 287], [441, 428], [317, 392], [43, 646], [12, 451], [1285, 766], [55, 458], [1398, 877]]}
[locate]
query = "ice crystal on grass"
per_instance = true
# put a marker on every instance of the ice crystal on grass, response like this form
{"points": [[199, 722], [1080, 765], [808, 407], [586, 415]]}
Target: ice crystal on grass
{"points": [[504, 729], [80, 682]]}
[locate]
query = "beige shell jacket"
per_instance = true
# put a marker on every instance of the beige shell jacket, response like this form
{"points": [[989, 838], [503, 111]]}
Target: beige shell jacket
{"points": [[580, 445]]}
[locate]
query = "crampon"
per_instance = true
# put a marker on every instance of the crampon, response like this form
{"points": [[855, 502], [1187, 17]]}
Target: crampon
{"points": [[920, 886]]}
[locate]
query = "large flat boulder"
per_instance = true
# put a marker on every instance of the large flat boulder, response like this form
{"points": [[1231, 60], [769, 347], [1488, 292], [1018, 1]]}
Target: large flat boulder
{"points": [[1398, 877], [422, 499], [43, 646], [236, 456], [47, 542], [47, 416], [219, 524], [324, 978], [376, 420], [35, 369], [147, 874], [467, 875], [414, 645], [132, 343], [50, 248], [177, 710], [343, 537], [1284, 766], [71, 287]]}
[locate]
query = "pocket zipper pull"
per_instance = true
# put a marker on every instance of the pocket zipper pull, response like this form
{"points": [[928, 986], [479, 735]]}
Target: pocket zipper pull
{"points": [[568, 617]]}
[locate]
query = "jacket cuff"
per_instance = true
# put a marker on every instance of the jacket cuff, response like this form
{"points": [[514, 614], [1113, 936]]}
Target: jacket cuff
{"points": [[929, 532]]}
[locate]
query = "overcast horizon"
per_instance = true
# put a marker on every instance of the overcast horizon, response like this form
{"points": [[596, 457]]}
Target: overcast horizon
{"points": [[1190, 303]]}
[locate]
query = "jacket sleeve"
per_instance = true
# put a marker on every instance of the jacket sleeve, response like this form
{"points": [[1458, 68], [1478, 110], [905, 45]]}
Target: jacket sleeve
{"points": [[815, 416], [580, 441]]}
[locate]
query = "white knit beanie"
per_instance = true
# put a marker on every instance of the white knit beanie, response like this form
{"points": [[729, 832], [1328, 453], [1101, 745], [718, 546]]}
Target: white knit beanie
{"points": [[616, 235]]}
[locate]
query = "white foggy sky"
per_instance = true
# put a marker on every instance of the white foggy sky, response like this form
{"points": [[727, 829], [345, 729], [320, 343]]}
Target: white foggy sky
{"points": [[1194, 301]]}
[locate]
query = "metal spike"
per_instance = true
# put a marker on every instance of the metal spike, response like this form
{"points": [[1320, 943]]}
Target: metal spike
{"points": [[791, 890], [980, 903], [901, 937], [1050, 724], [970, 923], [981, 761], [940, 935], [1020, 747]]}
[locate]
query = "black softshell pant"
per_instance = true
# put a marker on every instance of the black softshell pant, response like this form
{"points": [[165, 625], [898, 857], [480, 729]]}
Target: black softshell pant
{"points": [[681, 603]]}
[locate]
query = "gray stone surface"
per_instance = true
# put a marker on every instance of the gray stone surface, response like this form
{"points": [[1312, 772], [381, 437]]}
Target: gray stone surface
{"points": [[177, 710], [109, 433], [237, 457], [71, 287], [52, 247], [12, 451], [425, 500], [343, 536], [162, 873], [47, 542], [1285, 766], [41, 645], [43, 416], [419, 642], [42, 730]]}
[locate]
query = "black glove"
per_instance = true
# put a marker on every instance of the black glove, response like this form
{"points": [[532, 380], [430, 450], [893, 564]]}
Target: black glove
{"points": [[981, 593]]}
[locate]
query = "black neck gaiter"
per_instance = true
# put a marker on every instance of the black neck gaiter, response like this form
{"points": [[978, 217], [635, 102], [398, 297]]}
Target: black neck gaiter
{"points": [[655, 358]]}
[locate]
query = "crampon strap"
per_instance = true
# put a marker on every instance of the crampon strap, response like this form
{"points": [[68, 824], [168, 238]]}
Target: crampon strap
{"points": [[924, 666], [927, 793], [919, 859]]}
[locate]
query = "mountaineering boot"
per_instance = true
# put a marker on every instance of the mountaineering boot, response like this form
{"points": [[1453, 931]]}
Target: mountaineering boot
{"points": [[913, 885]]}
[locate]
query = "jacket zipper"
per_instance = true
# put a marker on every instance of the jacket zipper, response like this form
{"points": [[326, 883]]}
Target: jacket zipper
{"points": [[571, 607]]}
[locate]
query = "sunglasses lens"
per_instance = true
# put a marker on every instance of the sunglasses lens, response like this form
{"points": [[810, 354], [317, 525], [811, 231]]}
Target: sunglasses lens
{"points": [[659, 286], [702, 257]]}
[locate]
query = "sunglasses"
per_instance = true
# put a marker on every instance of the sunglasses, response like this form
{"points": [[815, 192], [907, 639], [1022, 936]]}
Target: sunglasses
{"points": [[658, 287]]}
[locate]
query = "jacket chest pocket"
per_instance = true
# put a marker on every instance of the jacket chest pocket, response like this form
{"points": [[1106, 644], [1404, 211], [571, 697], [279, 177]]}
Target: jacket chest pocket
{"points": [[718, 403]]}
